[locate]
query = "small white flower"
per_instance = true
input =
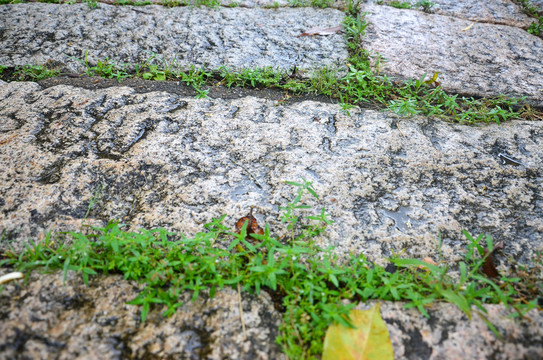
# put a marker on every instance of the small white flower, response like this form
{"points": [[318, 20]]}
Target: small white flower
{"points": [[294, 258]]}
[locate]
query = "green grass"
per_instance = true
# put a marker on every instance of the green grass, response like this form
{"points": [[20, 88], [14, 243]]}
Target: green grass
{"points": [[536, 28], [28, 72], [423, 5], [530, 9], [316, 287]]}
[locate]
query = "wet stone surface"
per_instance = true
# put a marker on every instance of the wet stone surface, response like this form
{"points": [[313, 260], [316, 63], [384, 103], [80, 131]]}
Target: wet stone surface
{"points": [[449, 334], [47, 319], [482, 60], [232, 37], [158, 159], [504, 12]]}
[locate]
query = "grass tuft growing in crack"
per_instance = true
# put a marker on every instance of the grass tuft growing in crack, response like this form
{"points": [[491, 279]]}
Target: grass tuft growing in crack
{"points": [[316, 287], [530, 9]]}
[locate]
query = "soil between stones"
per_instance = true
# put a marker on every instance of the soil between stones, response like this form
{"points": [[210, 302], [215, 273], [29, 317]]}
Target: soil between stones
{"points": [[179, 88]]}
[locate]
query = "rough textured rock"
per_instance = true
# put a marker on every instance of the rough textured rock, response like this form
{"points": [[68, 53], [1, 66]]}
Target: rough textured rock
{"points": [[504, 12], [483, 60], [538, 3], [449, 334], [390, 183], [45, 319], [232, 37], [48, 320]]}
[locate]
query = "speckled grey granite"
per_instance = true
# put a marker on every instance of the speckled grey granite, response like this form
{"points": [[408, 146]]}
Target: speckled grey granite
{"points": [[505, 12], [49, 320], [449, 334], [390, 183], [46, 319], [233, 37], [481, 60]]}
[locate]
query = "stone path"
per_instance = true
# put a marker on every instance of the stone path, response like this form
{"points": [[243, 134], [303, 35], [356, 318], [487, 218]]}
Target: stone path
{"points": [[164, 159]]}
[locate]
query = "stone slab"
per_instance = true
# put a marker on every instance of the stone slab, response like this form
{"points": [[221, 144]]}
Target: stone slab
{"points": [[389, 183], [449, 334], [481, 60], [47, 319], [232, 37], [504, 12]]}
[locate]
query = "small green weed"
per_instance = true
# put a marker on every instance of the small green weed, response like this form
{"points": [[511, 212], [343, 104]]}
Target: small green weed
{"points": [[207, 3], [32, 73], [93, 4], [536, 28], [104, 68], [274, 5], [316, 287], [425, 5], [258, 77], [351, 7], [400, 4], [322, 4], [529, 8]]}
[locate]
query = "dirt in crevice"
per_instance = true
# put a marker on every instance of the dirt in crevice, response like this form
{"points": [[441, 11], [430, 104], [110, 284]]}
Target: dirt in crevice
{"points": [[179, 88]]}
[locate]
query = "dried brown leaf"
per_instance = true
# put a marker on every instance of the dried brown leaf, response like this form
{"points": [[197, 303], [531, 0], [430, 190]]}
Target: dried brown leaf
{"points": [[321, 31], [488, 266], [252, 226]]}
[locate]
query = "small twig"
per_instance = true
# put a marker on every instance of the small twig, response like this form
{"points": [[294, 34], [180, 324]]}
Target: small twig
{"points": [[241, 315], [512, 221]]}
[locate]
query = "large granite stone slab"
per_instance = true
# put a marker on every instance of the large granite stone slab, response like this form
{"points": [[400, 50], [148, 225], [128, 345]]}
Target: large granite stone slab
{"points": [[47, 319], [505, 12], [481, 60], [233, 37], [449, 334], [390, 183]]}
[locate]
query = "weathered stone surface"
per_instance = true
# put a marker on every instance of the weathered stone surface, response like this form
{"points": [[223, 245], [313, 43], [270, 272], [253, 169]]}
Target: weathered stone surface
{"points": [[538, 3], [390, 183], [232, 37], [483, 60], [504, 12], [449, 334], [48, 320]]}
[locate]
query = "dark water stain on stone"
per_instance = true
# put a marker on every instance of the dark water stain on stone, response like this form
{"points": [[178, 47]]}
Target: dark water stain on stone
{"points": [[415, 347], [52, 173], [401, 219], [22, 337]]}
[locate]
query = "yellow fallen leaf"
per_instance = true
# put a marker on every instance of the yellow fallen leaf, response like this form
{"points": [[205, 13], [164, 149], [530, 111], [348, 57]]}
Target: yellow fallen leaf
{"points": [[369, 341], [433, 79], [468, 27]]}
